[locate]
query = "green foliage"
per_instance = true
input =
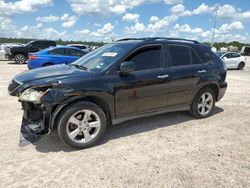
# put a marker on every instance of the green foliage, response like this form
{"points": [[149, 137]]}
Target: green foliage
{"points": [[59, 42], [219, 45]]}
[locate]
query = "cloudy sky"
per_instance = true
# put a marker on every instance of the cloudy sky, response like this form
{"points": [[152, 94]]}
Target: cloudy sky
{"points": [[99, 20]]}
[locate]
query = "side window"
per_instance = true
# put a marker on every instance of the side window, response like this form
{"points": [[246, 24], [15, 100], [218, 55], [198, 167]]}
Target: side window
{"points": [[147, 58], [235, 55], [228, 55], [195, 58], [35, 44], [58, 51], [179, 55], [73, 52]]}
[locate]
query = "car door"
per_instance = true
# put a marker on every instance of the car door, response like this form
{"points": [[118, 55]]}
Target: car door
{"points": [[145, 89], [236, 59], [185, 72], [229, 61], [58, 56], [74, 54]]}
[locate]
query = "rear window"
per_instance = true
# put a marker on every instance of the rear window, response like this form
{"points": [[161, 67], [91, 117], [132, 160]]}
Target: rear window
{"points": [[179, 55], [205, 53]]}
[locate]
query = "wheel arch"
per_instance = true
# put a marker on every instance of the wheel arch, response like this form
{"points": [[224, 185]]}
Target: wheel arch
{"points": [[94, 99], [213, 86]]}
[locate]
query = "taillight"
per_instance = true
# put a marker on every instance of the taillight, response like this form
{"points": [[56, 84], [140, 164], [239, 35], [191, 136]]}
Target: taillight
{"points": [[32, 57]]}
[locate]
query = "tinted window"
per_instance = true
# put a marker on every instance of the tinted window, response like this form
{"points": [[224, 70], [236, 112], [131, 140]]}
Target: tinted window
{"points": [[205, 53], [147, 58], [58, 51], [234, 55], [195, 58], [36, 43], [73, 52], [179, 55], [228, 55]]}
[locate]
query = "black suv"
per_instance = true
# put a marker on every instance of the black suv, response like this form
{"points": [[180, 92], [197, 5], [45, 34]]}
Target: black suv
{"points": [[127, 79], [20, 53]]}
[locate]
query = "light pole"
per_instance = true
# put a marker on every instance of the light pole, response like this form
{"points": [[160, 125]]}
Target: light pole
{"points": [[215, 21]]}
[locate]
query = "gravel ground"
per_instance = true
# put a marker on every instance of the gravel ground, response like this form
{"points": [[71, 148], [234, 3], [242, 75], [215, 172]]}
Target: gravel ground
{"points": [[171, 150]]}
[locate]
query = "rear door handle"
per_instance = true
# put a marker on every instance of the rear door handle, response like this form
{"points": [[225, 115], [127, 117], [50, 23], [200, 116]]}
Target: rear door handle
{"points": [[162, 76], [202, 71]]}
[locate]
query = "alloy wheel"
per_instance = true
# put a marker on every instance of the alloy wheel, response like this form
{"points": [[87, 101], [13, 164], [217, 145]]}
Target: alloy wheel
{"points": [[205, 103], [83, 126]]}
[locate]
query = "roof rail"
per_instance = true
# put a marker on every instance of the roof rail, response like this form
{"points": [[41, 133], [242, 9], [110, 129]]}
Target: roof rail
{"points": [[160, 38], [130, 39]]}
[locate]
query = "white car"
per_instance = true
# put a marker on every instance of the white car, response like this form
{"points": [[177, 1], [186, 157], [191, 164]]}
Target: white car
{"points": [[232, 60], [4, 47]]}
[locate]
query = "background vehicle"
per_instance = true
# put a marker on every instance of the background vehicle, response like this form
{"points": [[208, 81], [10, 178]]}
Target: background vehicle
{"points": [[245, 50], [54, 56], [127, 79], [232, 60], [80, 46], [20, 53], [5, 47]]}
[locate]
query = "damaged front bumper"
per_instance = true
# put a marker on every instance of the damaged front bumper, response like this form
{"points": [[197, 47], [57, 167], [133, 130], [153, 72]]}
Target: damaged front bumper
{"points": [[35, 123]]}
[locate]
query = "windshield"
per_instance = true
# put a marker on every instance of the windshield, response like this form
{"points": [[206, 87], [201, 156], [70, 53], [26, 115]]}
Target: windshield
{"points": [[102, 57], [219, 54]]}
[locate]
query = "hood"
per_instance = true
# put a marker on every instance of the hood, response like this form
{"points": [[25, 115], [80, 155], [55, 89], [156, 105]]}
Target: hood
{"points": [[54, 72], [46, 76]]}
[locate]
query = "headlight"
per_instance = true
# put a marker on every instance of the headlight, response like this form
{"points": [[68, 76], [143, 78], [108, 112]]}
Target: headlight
{"points": [[31, 95]]}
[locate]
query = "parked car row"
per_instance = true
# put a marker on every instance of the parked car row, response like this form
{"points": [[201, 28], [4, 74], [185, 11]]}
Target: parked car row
{"points": [[124, 80], [20, 53]]}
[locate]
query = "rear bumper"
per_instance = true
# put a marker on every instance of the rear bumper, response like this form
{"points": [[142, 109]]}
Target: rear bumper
{"points": [[222, 90]]}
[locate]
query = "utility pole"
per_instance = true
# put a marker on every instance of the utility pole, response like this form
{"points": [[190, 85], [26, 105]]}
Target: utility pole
{"points": [[215, 21]]}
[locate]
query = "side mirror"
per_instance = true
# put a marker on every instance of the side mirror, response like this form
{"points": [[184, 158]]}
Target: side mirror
{"points": [[127, 67]]}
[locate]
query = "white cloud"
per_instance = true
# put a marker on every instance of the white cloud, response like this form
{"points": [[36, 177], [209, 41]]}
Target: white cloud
{"points": [[153, 19], [49, 18], [105, 7], [171, 2], [68, 21], [106, 29], [225, 28], [136, 29], [131, 17], [22, 6], [229, 12]]}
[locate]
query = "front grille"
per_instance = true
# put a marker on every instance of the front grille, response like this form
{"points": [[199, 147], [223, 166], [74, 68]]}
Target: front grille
{"points": [[13, 86]]}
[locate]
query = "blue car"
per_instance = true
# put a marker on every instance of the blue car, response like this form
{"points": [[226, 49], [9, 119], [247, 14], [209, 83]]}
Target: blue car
{"points": [[54, 56]]}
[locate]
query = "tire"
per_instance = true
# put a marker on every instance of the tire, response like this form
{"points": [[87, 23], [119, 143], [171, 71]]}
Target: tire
{"points": [[20, 59], [77, 131], [201, 109], [241, 66]]}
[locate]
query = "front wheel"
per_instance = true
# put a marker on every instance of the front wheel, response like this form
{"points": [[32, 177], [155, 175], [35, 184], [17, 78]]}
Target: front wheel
{"points": [[82, 125], [19, 59], [203, 103]]}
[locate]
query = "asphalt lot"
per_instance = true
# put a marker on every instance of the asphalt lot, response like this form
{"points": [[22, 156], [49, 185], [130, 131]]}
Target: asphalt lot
{"points": [[170, 150]]}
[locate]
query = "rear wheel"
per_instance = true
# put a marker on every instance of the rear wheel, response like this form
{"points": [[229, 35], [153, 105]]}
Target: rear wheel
{"points": [[19, 59], [82, 125], [241, 66], [203, 103]]}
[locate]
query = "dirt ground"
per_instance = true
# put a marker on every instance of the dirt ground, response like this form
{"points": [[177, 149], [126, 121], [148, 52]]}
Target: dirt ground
{"points": [[170, 150]]}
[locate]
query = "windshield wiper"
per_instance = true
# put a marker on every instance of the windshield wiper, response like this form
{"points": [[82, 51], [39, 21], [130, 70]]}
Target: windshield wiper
{"points": [[79, 66]]}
